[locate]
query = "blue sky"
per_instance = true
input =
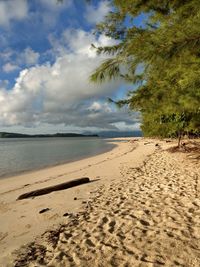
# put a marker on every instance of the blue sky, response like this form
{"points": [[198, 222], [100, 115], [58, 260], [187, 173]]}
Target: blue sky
{"points": [[46, 59]]}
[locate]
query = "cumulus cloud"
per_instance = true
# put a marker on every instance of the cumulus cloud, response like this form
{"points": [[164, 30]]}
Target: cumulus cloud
{"points": [[9, 67], [78, 42], [29, 56], [13, 60], [94, 14], [12, 10], [60, 93], [95, 106]]}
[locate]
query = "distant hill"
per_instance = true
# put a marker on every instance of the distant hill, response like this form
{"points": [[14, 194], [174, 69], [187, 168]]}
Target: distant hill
{"points": [[112, 134], [104, 134], [18, 135]]}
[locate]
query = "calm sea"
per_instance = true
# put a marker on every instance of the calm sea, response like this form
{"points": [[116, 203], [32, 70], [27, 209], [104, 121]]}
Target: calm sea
{"points": [[25, 154]]}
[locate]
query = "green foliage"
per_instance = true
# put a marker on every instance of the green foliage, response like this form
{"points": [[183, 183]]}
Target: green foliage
{"points": [[167, 46]]}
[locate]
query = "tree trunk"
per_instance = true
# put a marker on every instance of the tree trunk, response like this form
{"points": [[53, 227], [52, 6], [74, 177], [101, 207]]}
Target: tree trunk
{"points": [[47, 190], [179, 139]]}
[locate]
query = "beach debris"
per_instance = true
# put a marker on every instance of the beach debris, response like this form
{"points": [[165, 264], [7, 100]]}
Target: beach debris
{"points": [[71, 215], [147, 143], [44, 210], [75, 198], [145, 223], [66, 214], [47, 190]]}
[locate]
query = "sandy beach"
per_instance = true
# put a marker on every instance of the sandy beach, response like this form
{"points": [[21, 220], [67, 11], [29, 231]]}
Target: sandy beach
{"points": [[142, 208]]}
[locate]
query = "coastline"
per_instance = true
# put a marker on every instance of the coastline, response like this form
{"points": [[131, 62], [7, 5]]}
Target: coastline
{"points": [[141, 197], [109, 147]]}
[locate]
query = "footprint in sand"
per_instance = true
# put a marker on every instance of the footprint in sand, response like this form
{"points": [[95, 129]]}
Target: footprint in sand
{"points": [[139, 221], [3, 235]]}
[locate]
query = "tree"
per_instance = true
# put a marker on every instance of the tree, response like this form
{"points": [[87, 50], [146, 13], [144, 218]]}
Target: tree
{"points": [[161, 56]]}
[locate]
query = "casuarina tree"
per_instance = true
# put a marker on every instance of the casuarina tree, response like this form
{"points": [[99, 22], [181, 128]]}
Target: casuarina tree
{"points": [[160, 56]]}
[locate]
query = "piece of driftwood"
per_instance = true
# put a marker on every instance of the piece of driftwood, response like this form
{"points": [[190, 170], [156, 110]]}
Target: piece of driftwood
{"points": [[47, 190]]}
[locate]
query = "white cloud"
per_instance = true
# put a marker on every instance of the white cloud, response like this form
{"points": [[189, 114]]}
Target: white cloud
{"points": [[95, 15], [60, 93], [9, 67], [99, 107], [13, 59], [12, 10], [29, 56], [78, 42], [95, 106]]}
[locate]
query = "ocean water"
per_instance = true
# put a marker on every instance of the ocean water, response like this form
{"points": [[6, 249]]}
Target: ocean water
{"points": [[24, 154]]}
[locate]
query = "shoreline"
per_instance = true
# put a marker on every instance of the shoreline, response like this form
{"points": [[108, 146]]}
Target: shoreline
{"points": [[24, 172], [111, 146]]}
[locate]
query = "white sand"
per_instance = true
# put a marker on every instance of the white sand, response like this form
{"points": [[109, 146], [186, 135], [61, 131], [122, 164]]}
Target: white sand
{"points": [[143, 211]]}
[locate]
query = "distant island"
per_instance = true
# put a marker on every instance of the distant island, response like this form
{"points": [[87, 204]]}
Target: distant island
{"points": [[18, 135]]}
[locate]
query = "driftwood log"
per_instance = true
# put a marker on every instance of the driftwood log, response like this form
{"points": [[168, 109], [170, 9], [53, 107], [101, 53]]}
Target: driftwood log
{"points": [[49, 189]]}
